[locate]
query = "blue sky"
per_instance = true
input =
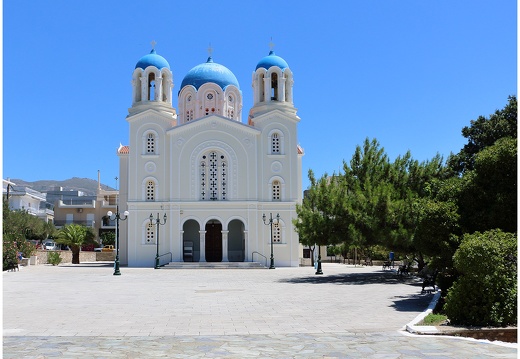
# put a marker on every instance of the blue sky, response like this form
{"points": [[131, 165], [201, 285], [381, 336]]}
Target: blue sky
{"points": [[411, 74]]}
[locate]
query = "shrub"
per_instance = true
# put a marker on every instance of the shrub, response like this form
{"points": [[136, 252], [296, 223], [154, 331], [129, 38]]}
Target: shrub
{"points": [[53, 258], [27, 248], [9, 251], [485, 294]]}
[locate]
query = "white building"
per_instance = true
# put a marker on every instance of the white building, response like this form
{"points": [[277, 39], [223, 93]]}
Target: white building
{"points": [[27, 199], [211, 174]]}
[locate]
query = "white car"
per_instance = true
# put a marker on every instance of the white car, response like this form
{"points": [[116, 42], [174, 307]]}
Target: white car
{"points": [[51, 246]]}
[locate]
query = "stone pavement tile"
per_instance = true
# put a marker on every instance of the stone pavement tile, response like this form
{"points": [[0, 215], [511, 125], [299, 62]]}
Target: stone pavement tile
{"points": [[284, 313], [377, 345]]}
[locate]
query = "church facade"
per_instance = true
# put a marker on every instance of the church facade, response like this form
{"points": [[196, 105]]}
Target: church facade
{"points": [[213, 180]]}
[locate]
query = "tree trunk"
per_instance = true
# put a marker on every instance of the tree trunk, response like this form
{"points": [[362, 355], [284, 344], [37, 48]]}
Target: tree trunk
{"points": [[420, 262], [75, 254]]}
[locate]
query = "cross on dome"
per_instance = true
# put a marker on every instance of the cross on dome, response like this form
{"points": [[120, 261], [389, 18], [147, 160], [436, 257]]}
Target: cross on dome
{"points": [[153, 44], [271, 44]]}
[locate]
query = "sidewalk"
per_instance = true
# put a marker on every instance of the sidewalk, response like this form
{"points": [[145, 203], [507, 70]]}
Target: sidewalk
{"points": [[85, 311]]}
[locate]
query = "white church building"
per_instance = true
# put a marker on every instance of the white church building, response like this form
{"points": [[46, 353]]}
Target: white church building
{"points": [[213, 175]]}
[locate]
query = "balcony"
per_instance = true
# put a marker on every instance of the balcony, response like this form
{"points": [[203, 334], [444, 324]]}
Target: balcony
{"points": [[61, 223], [77, 203], [107, 223]]}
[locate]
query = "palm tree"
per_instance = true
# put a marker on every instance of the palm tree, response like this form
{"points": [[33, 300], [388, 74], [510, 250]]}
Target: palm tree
{"points": [[74, 236]]}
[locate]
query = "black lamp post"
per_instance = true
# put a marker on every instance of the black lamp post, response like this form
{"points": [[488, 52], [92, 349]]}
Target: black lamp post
{"points": [[158, 222], [117, 216], [318, 269], [270, 223]]}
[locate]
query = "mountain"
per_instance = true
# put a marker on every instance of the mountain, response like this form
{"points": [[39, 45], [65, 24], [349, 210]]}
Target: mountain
{"points": [[86, 185]]}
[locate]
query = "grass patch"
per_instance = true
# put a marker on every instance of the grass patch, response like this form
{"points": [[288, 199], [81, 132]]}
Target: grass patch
{"points": [[434, 319]]}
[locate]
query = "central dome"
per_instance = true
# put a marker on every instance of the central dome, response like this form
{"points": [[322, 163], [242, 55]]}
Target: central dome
{"points": [[209, 72]]}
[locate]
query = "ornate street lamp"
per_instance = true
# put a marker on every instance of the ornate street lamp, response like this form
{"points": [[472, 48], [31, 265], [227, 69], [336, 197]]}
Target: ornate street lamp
{"points": [[117, 216], [270, 223], [158, 222]]}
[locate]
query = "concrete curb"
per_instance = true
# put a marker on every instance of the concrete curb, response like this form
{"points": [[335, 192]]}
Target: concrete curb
{"points": [[426, 330], [413, 328]]}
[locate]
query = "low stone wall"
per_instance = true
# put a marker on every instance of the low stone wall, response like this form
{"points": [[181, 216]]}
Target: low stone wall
{"points": [[66, 257], [105, 256], [509, 335]]}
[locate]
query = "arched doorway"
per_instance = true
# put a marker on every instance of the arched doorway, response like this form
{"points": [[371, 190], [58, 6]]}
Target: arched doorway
{"points": [[213, 241], [236, 241], [191, 241]]}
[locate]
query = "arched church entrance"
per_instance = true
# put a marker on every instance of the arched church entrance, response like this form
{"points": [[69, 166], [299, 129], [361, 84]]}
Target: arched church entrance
{"points": [[236, 241], [191, 241], [213, 241]]}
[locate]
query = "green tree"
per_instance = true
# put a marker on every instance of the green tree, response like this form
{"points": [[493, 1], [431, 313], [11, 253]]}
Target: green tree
{"points": [[314, 223], [375, 202], [74, 236], [17, 227], [436, 229], [484, 132], [108, 238], [364, 194], [486, 292], [488, 198], [412, 183]]}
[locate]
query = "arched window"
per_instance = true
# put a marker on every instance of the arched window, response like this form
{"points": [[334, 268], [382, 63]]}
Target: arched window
{"points": [[150, 234], [276, 187], [275, 143], [213, 177], [151, 86], [277, 233], [261, 87], [150, 143], [150, 190], [274, 86]]}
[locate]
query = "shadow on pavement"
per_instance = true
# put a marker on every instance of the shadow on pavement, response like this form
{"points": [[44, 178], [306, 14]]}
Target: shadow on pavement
{"points": [[382, 277], [88, 265], [413, 303]]}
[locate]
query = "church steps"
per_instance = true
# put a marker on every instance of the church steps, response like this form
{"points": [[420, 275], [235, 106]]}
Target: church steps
{"points": [[213, 265]]}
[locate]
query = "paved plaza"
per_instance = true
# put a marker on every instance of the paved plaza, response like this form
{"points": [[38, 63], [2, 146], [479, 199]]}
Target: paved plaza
{"points": [[84, 311]]}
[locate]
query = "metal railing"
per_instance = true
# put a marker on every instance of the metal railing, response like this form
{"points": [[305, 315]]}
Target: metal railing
{"points": [[260, 254], [171, 256]]}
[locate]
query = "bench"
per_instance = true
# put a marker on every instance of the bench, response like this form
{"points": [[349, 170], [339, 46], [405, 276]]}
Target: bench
{"points": [[387, 264], [429, 280], [404, 269]]}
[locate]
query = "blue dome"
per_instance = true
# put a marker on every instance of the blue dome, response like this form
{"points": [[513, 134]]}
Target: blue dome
{"points": [[152, 59], [209, 72], [272, 60]]}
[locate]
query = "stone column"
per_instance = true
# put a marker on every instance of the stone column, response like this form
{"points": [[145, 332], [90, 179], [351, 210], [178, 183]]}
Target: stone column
{"points": [[202, 257], [144, 88], [181, 246], [246, 248], [225, 246], [159, 89], [267, 89], [281, 89]]}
